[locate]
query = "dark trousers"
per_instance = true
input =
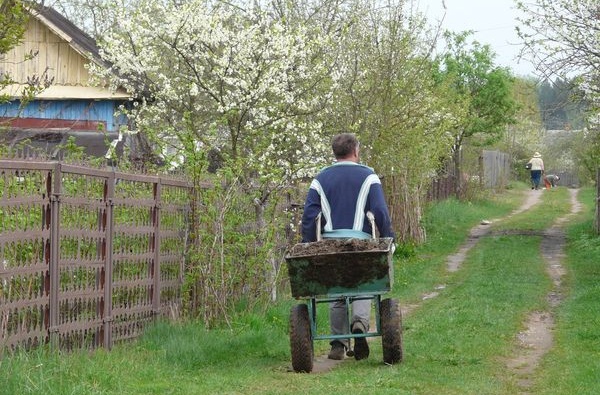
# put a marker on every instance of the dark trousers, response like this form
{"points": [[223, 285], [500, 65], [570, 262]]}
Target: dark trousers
{"points": [[536, 176]]}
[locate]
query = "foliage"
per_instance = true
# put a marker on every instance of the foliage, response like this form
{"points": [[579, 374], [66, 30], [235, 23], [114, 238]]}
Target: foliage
{"points": [[225, 80], [483, 93], [223, 259], [237, 84], [13, 22], [560, 134], [523, 137], [388, 97], [92, 16], [255, 88], [247, 96], [562, 38], [485, 88], [586, 150], [562, 105]]}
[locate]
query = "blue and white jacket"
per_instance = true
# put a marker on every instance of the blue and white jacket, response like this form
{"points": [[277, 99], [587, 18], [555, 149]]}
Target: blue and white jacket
{"points": [[343, 193]]}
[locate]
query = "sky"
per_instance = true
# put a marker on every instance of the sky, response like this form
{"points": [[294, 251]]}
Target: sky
{"points": [[493, 21]]}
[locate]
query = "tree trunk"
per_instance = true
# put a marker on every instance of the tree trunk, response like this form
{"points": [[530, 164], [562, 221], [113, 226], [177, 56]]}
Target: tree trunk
{"points": [[272, 266], [456, 159]]}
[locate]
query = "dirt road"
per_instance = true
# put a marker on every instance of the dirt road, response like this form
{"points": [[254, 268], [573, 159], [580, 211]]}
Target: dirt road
{"points": [[536, 339]]}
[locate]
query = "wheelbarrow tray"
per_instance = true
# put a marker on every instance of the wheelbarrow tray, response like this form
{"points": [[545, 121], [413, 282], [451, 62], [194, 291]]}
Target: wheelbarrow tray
{"points": [[340, 267]]}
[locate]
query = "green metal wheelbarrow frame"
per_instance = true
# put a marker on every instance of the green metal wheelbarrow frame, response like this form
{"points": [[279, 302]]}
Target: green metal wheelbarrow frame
{"points": [[339, 275]]}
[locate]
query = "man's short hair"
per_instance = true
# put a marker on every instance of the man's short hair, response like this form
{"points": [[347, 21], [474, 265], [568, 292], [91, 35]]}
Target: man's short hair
{"points": [[344, 144]]}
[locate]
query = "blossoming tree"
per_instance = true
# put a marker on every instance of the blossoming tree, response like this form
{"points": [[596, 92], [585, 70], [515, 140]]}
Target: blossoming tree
{"points": [[238, 83]]}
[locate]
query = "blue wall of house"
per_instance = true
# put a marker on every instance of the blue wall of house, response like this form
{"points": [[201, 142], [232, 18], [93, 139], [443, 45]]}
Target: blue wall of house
{"points": [[78, 110]]}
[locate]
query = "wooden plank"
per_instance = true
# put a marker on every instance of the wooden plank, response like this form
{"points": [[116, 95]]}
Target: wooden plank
{"points": [[31, 65], [41, 32], [51, 37], [30, 33], [42, 58], [63, 63], [52, 60], [73, 66]]}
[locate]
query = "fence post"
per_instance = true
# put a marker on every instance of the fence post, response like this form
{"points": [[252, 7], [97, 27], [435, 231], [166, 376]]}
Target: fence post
{"points": [[109, 195], [156, 246], [481, 171], [54, 268]]}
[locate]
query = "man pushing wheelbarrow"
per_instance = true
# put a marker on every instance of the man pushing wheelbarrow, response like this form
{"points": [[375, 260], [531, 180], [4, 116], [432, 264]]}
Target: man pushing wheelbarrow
{"points": [[345, 207]]}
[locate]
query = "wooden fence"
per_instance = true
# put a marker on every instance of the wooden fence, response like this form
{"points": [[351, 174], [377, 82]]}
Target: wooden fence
{"points": [[88, 257], [567, 178], [496, 169], [442, 188]]}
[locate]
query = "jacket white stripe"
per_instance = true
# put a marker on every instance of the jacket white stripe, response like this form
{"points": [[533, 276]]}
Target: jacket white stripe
{"points": [[361, 202], [325, 208]]}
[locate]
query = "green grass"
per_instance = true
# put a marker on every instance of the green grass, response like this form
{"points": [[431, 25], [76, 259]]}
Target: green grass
{"points": [[457, 337], [447, 225], [454, 344], [169, 359], [554, 203]]}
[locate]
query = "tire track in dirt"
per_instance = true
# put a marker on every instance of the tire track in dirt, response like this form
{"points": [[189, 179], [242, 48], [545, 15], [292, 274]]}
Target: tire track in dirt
{"points": [[455, 261], [536, 339], [322, 364]]}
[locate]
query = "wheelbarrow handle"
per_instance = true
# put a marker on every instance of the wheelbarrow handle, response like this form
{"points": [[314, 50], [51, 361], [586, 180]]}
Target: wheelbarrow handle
{"points": [[318, 221], [371, 218]]}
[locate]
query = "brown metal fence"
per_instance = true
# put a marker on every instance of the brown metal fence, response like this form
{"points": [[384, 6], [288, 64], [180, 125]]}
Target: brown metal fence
{"points": [[88, 257]]}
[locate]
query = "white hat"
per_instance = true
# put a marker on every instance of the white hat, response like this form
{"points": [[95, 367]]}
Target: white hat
{"points": [[537, 155]]}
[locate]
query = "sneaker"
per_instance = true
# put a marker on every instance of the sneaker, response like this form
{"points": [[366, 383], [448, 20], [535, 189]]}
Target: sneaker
{"points": [[361, 347], [337, 351]]}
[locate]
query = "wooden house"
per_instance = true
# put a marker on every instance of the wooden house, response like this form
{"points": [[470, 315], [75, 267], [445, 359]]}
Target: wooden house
{"points": [[71, 105]]}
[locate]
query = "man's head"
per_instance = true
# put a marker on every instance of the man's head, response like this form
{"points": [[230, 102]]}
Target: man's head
{"points": [[345, 147]]}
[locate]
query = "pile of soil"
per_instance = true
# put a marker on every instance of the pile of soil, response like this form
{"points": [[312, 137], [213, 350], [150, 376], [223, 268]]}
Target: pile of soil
{"points": [[329, 246]]}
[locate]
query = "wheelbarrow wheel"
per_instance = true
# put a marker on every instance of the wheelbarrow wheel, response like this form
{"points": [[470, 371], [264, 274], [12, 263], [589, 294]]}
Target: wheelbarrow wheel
{"points": [[391, 331], [300, 339]]}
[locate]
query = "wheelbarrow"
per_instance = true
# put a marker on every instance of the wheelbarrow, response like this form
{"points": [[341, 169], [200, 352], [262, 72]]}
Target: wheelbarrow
{"points": [[342, 270]]}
